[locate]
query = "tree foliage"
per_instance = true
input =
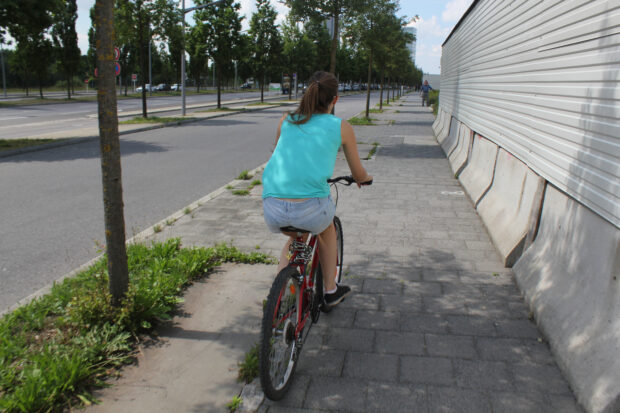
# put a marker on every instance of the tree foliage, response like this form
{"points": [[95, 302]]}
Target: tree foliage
{"points": [[266, 40]]}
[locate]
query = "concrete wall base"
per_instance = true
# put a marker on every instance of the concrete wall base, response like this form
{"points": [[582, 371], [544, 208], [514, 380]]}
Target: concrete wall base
{"points": [[477, 176], [570, 277]]}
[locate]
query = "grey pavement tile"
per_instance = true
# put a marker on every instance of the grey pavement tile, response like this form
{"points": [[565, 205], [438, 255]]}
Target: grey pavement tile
{"points": [[402, 343], [350, 340], [497, 309], [484, 375], [379, 286], [439, 275], [514, 350], [453, 400], [471, 325], [336, 394], [445, 304], [522, 328], [408, 303], [275, 408], [423, 288], [540, 378], [393, 398], [520, 403], [451, 346], [423, 323], [377, 320], [427, 370], [317, 362], [363, 301], [564, 404], [339, 317], [295, 395], [371, 366]]}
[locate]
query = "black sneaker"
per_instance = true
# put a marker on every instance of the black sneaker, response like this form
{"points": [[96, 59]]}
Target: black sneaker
{"points": [[336, 297]]}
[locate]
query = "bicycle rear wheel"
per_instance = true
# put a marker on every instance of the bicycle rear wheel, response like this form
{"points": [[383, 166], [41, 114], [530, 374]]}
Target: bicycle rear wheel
{"points": [[278, 345]]}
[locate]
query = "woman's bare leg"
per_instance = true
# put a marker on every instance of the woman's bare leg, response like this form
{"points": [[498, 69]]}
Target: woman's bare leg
{"points": [[328, 255]]}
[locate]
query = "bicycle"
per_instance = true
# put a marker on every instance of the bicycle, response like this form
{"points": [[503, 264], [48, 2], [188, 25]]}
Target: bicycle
{"points": [[295, 297]]}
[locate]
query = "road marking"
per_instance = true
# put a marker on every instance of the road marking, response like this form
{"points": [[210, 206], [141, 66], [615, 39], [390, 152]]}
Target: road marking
{"points": [[15, 117]]}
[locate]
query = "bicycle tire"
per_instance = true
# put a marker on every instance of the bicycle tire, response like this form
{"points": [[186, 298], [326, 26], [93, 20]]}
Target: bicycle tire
{"points": [[340, 248], [278, 347]]}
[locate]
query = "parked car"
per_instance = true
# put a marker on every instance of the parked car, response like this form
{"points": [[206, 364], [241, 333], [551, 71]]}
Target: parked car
{"points": [[162, 87], [176, 87], [147, 87], [246, 85]]}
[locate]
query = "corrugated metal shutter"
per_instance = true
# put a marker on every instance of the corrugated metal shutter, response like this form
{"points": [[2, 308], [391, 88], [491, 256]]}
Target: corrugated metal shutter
{"points": [[541, 79]]}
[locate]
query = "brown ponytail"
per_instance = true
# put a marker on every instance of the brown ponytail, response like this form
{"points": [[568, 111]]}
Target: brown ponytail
{"points": [[322, 90]]}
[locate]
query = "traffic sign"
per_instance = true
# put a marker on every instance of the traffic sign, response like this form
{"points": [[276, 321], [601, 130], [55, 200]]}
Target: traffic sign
{"points": [[117, 53], [96, 72], [86, 80], [134, 77], [117, 68]]}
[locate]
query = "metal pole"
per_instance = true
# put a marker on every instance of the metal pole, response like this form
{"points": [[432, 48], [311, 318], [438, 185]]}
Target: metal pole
{"points": [[150, 70], [183, 62], [235, 75], [3, 75]]}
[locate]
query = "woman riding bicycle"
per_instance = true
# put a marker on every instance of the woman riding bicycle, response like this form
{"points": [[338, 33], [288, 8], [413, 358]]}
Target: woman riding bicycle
{"points": [[295, 189]]}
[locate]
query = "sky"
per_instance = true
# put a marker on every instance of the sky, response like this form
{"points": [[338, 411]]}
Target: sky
{"points": [[436, 20]]}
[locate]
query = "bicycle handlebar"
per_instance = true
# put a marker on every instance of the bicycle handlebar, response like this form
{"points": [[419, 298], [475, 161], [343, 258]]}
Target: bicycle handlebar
{"points": [[348, 179]]}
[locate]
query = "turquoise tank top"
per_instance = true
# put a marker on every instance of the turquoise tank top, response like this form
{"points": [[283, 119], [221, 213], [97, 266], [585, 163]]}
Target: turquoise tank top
{"points": [[304, 158]]}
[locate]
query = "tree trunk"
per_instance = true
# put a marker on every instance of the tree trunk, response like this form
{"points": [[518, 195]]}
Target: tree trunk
{"points": [[262, 89], [219, 88], [110, 153], [387, 95], [368, 85], [332, 60], [68, 87], [143, 59], [381, 94]]}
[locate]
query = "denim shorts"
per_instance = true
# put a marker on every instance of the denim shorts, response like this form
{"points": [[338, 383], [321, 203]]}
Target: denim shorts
{"points": [[314, 214]]}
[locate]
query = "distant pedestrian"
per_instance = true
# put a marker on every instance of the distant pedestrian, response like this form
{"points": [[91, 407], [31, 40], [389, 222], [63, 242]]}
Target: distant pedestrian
{"points": [[424, 91]]}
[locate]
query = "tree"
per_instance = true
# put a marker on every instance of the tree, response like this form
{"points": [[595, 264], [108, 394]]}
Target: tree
{"points": [[66, 41], [197, 49], [299, 54], [322, 10], [223, 26], [266, 40], [316, 31], [110, 153]]}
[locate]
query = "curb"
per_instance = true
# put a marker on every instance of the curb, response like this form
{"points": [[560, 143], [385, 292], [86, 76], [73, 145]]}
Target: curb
{"points": [[140, 237]]}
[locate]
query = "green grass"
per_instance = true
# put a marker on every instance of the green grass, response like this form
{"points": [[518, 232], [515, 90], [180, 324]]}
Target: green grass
{"points": [[248, 368], [254, 183], [187, 210], [9, 144], [375, 145], [152, 119], [361, 121], [222, 109], [241, 192], [375, 110], [245, 175], [55, 349], [234, 404], [433, 100]]}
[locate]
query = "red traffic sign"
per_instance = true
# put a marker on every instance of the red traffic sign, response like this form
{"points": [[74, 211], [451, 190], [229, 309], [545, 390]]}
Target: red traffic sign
{"points": [[86, 80], [117, 68], [96, 72], [134, 77], [117, 53]]}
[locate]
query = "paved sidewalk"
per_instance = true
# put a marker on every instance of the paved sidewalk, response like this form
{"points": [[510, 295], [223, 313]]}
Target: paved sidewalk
{"points": [[435, 324]]}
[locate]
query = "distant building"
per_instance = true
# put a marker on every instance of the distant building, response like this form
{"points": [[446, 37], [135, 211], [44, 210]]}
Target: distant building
{"points": [[433, 80], [411, 46]]}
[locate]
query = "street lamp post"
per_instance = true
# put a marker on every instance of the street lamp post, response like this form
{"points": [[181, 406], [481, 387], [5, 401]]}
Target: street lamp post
{"points": [[3, 75], [184, 11]]}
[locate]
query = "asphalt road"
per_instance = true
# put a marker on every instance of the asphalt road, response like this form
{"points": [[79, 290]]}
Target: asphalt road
{"points": [[51, 211], [33, 120]]}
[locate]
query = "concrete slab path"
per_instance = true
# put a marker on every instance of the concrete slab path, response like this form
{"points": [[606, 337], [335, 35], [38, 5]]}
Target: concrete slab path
{"points": [[435, 324]]}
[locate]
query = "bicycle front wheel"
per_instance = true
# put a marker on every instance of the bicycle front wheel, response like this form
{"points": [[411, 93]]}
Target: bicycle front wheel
{"points": [[340, 247], [278, 345]]}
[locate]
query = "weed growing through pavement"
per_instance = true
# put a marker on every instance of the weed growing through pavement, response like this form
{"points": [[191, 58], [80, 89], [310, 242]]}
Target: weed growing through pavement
{"points": [[248, 368], [361, 121], [234, 404], [245, 175], [187, 210], [153, 119], [157, 229], [229, 187], [170, 222], [241, 192], [58, 347], [372, 152]]}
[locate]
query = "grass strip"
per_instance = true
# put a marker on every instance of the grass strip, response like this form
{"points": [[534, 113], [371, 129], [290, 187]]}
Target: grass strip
{"points": [[361, 121], [152, 119], [373, 150], [58, 347], [9, 144]]}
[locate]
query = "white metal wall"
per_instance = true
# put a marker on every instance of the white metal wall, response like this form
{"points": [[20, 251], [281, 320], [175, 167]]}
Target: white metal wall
{"points": [[541, 78]]}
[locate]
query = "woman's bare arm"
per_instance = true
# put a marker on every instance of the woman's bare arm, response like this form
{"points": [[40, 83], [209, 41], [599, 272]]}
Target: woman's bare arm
{"points": [[349, 145]]}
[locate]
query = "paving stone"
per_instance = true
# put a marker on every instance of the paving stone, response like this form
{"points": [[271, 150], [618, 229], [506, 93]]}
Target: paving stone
{"points": [[350, 340], [422, 288], [471, 325], [514, 350], [450, 346], [540, 378], [403, 343], [393, 398], [445, 304], [319, 362], [295, 395], [371, 366], [363, 301], [377, 320], [485, 375], [336, 394], [423, 323], [454, 400], [518, 329], [378, 286], [518, 403], [406, 302], [426, 370]]}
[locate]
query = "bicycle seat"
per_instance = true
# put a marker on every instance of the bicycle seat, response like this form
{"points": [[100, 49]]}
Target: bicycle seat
{"points": [[293, 229]]}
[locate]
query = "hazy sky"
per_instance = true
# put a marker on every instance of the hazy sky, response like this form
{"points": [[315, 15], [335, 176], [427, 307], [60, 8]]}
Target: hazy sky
{"points": [[437, 18]]}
